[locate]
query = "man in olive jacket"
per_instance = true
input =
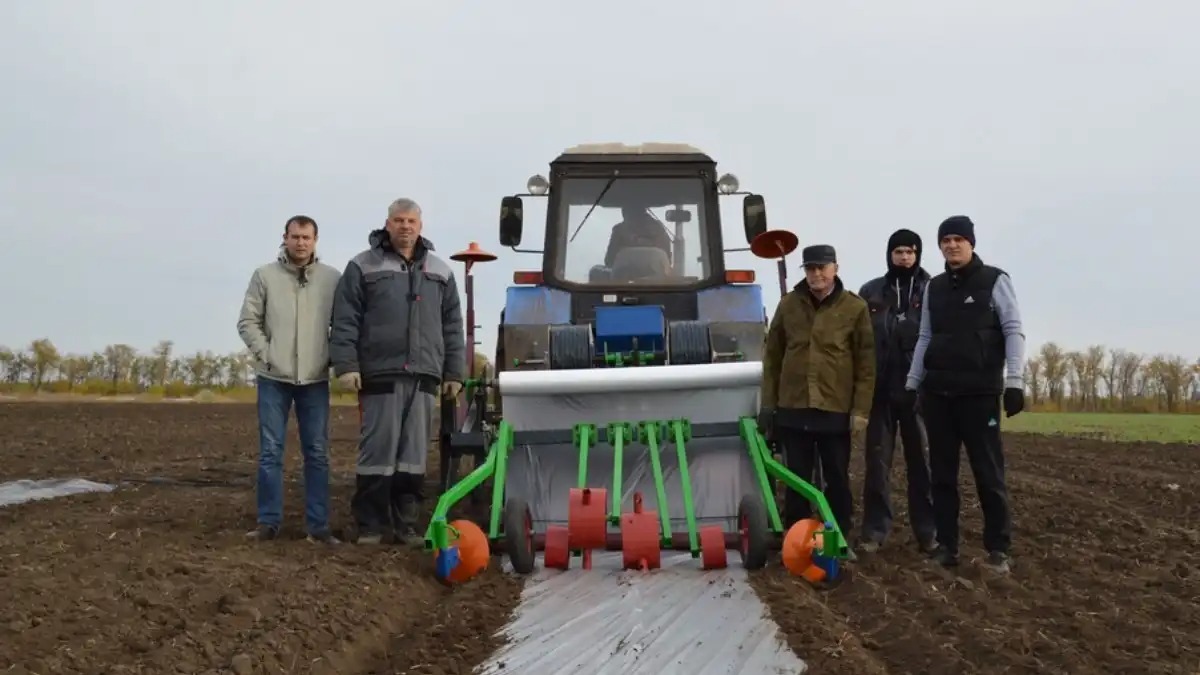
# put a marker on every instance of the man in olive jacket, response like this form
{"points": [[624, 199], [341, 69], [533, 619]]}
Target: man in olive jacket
{"points": [[285, 324], [818, 380]]}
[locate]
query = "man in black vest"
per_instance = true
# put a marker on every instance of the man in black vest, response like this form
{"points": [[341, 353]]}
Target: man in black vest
{"points": [[969, 356], [895, 303]]}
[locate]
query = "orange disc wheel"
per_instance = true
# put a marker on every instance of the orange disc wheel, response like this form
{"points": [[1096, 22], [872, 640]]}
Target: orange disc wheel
{"points": [[798, 546], [473, 551]]}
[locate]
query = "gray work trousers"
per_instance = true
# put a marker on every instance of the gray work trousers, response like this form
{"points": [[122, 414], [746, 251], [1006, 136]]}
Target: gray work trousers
{"points": [[393, 450]]}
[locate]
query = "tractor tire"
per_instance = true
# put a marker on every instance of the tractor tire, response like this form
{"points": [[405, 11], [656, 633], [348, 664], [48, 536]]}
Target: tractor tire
{"points": [[518, 535], [756, 535], [688, 343], [571, 347]]}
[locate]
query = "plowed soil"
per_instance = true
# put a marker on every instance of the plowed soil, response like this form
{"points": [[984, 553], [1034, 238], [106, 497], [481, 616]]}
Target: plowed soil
{"points": [[1106, 576], [156, 576]]}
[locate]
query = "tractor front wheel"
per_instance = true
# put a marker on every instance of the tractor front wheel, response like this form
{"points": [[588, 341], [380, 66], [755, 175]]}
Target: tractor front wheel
{"points": [[753, 528], [518, 535]]}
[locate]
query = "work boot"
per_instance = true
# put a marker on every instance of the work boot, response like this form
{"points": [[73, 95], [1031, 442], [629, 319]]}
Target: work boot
{"points": [[322, 537], [406, 527], [944, 557], [263, 533], [998, 562], [870, 544]]}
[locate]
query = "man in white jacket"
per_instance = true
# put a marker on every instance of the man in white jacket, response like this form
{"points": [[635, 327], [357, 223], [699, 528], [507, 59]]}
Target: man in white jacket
{"points": [[285, 322]]}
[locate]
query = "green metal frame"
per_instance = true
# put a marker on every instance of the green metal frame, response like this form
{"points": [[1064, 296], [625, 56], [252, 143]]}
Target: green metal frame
{"points": [[651, 433]]}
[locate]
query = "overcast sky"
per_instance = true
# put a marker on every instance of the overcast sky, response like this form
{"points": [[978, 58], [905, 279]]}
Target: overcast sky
{"points": [[150, 151]]}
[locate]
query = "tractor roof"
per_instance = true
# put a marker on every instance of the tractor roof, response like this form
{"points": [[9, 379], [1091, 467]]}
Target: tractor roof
{"points": [[642, 152]]}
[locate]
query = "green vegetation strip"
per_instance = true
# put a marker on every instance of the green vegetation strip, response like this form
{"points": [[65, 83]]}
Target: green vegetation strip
{"points": [[1127, 427]]}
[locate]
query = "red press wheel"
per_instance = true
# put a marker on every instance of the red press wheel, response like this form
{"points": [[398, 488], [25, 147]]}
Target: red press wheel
{"points": [[712, 548], [557, 553]]}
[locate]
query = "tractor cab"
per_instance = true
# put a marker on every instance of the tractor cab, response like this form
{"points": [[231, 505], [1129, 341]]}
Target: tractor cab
{"points": [[633, 248]]}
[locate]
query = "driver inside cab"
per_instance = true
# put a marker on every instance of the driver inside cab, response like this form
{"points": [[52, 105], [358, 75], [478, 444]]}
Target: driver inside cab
{"points": [[637, 229]]}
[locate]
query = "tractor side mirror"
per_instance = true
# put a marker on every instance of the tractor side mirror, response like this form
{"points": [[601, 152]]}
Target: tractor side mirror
{"points": [[754, 216], [511, 213]]}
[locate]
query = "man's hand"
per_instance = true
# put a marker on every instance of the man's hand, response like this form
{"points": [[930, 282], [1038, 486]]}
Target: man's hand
{"points": [[766, 423], [351, 381], [451, 389], [858, 423], [1014, 401], [909, 399]]}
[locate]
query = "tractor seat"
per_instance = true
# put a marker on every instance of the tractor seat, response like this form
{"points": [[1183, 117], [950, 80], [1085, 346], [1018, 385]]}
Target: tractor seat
{"points": [[640, 262]]}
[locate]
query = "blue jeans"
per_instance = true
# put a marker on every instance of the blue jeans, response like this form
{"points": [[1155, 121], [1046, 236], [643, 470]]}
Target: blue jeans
{"points": [[275, 401]]}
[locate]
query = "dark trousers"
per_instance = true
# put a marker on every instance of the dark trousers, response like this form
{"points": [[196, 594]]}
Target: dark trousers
{"points": [[801, 450], [886, 419], [974, 422]]}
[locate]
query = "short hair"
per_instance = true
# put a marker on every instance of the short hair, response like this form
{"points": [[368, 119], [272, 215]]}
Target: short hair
{"points": [[301, 221], [403, 205]]}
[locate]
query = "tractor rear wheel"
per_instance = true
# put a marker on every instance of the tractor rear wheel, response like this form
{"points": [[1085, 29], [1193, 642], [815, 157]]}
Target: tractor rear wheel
{"points": [[518, 535], [571, 347], [755, 535], [688, 342]]}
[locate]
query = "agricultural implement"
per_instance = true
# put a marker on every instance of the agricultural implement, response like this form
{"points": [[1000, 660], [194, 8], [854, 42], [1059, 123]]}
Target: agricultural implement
{"points": [[621, 415]]}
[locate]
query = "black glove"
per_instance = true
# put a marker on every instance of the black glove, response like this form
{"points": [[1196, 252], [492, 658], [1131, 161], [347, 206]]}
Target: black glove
{"points": [[909, 399], [1014, 401], [766, 423]]}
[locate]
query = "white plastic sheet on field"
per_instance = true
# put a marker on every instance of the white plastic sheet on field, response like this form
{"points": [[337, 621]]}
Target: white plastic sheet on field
{"points": [[676, 619], [20, 491]]}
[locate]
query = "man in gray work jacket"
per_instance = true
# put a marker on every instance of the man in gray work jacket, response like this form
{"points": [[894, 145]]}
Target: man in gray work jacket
{"points": [[285, 324], [969, 357], [895, 303], [398, 339]]}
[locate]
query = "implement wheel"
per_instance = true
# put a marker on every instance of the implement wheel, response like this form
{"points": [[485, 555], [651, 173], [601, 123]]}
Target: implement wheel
{"points": [[752, 525], [518, 535]]}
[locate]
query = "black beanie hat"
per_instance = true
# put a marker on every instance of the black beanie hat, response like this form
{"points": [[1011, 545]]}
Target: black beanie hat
{"points": [[903, 237], [960, 225]]}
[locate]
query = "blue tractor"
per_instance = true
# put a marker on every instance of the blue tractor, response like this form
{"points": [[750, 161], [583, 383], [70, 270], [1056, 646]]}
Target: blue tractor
{"points": [[633, 266], [633, 277]]}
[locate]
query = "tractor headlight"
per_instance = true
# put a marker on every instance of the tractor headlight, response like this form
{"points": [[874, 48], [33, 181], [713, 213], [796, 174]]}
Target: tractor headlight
{"points": [[537, 185], [727, 184]]}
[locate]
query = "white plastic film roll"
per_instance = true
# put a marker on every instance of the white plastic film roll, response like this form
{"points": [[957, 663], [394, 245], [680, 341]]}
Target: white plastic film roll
{"points": [[557, 399], [630, 379]]}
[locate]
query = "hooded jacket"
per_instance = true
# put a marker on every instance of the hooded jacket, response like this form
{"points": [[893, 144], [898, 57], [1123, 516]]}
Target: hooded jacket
{"points": [[894, 300], [394, 317], [284, 320]]}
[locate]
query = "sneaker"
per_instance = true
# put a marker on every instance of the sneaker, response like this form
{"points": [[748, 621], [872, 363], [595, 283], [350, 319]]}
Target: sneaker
{"points": [[263, 533], [869, 546], [370, 539], [998, 562], [927, 546], [944, 557]]}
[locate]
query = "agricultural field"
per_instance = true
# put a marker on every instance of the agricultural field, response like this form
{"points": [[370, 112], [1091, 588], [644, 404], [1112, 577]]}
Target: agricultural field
{"points": [[155, 577]]}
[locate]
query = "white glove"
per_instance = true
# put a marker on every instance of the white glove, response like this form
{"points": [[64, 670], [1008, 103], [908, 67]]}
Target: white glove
{"points": [[451, 389], [351, 381]]}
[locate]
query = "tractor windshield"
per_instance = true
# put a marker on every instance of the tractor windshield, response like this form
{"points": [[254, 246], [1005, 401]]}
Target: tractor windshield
{"points": [[632, 230]]}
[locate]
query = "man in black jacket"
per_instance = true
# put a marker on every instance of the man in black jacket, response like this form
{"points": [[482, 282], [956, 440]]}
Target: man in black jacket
{"points": [[970, 354], [895, 303]]}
